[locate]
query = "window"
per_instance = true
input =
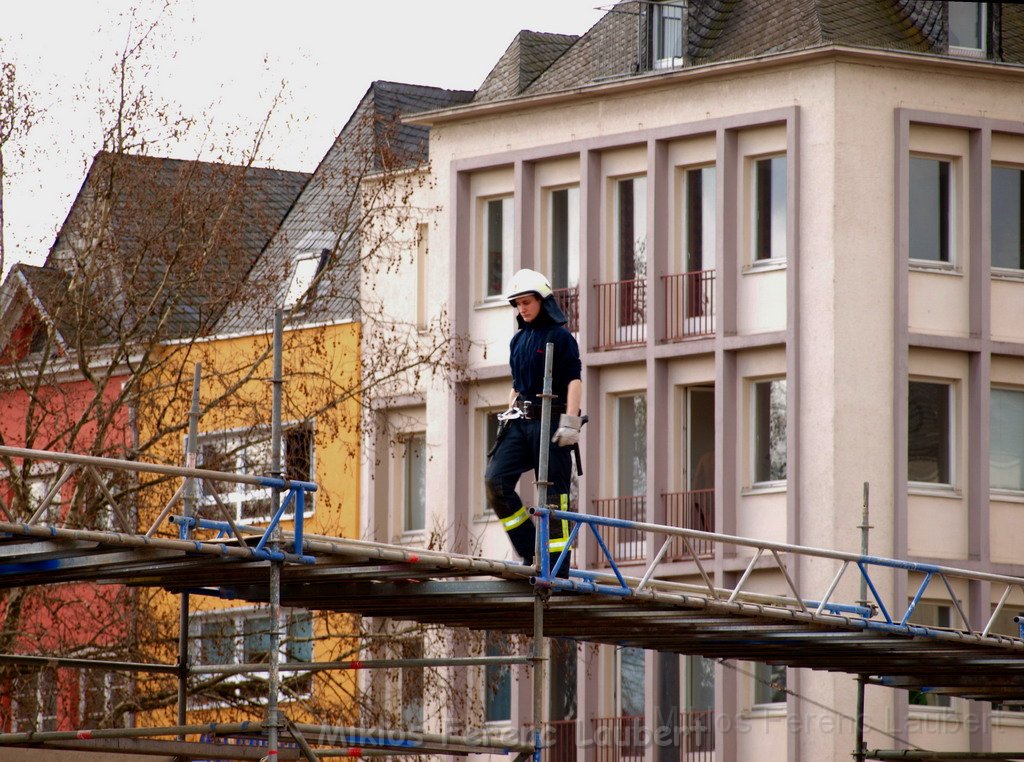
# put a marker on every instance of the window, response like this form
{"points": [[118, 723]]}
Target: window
{"points": [[769, 683], [928, 433], [498, 221], [35, 701], [306, 267], [241, 637], [415, 481], [931, 218], [1006, 445], [967, 28], [412, 686], [98, 694], [769, 208], [631, 675], [631, 228], [632, 446], [497, 680], [769, 406], [929, 615], [249, 453], [565, 238], [1008, 218], [667, 29], [699, 219], [562, 659], [488, 428]]}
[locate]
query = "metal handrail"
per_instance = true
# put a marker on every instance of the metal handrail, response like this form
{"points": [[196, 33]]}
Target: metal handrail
{"points": [[764, 550]]}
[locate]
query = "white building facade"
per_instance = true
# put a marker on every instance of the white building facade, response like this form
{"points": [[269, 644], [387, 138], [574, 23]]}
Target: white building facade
{"points": [[791, 274]]}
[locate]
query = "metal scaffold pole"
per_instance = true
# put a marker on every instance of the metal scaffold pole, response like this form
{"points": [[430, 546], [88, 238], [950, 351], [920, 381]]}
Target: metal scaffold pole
{"points": [[542, 557], [189, 502], [273, 677], [864, 527]]}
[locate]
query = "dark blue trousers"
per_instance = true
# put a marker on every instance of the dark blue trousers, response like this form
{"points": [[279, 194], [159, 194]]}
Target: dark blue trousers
{"points": [[516, 453]]}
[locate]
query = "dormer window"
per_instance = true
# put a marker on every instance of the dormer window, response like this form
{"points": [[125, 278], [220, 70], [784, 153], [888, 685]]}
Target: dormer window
{"points": [[667, 33], [968, 23], [308, 265]]}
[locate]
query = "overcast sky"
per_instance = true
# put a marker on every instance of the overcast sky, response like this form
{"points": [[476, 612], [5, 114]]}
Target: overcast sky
{"points": [[223, 62]]}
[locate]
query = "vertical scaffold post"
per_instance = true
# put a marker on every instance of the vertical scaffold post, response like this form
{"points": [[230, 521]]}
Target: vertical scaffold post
{"points": [[273, 676], [542, 556], [864, 527], [191, 461]]}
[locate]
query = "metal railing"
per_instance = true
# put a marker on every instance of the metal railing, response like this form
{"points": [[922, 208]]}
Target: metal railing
{"points": [[569, 300], [85, 466], [693, 509], [618, 738], [621, 314], [689, 304], [630, 544], [764, 555]]}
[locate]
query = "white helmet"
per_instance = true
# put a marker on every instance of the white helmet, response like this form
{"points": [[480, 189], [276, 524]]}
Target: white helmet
{"points": [[528, 282]]}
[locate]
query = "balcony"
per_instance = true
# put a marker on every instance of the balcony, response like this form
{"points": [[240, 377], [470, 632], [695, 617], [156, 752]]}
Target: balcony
{"points": [[689, 305], [694, 509], [626, 545], [617, 738], [621, 314], [569, 300]]}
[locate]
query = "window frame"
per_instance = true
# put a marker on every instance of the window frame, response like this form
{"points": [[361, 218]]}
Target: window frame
{"points": [[764, 675], [620, 448], [507, 237], [776, 233], [948, 231], [239, 652], [755, 429], [239, 495], [571, 236], [486, 429], [1001, 269], [658, 14], [496, 644], [407, 438], [1017, 491], [982, 23], [638, 218], [950, 434]]}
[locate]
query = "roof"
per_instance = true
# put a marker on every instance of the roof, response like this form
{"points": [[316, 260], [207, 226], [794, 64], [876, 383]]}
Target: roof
{"points": [[529, 55], [328, 216], [155, 248], [617, 45]]}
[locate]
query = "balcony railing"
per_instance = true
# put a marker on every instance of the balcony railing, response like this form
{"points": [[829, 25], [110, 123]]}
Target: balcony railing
{"points": [[625, 544], [694, 509], [621, 314], [617, 738], [689, 305], [559, 737], [569, 300]]}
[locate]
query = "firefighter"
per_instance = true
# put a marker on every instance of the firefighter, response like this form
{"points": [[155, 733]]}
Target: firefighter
{"points": [[517, 447]]}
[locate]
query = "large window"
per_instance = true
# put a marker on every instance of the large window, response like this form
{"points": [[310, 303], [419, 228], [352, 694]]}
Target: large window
{"points": [[565, 237], [769, 407], [1006, 446], [1007, 218], [497, 680], [967, 28], [415, 481], [412, 686], [699, 219], [498, 221], [769, 208], [928, 433], [632, 678], [34, 703], [631, 228], [307, 265], [632, 445], [667, 29], [931, 217], [243, 637], [249, 453]]}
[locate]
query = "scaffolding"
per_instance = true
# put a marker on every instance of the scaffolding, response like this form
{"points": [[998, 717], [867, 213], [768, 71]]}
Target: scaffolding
{"points": [[873, 639]]}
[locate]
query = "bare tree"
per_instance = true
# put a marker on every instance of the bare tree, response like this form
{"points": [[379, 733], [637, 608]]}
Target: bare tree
{"points": [[157, 259], [17, 115]]}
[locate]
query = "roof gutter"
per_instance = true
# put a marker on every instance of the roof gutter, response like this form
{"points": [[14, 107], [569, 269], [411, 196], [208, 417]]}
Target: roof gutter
{"points": [[659, 79]]}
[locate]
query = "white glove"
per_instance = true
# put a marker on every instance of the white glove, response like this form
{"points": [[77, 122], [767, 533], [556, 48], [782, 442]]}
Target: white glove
{"points": [[568, 431]]}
